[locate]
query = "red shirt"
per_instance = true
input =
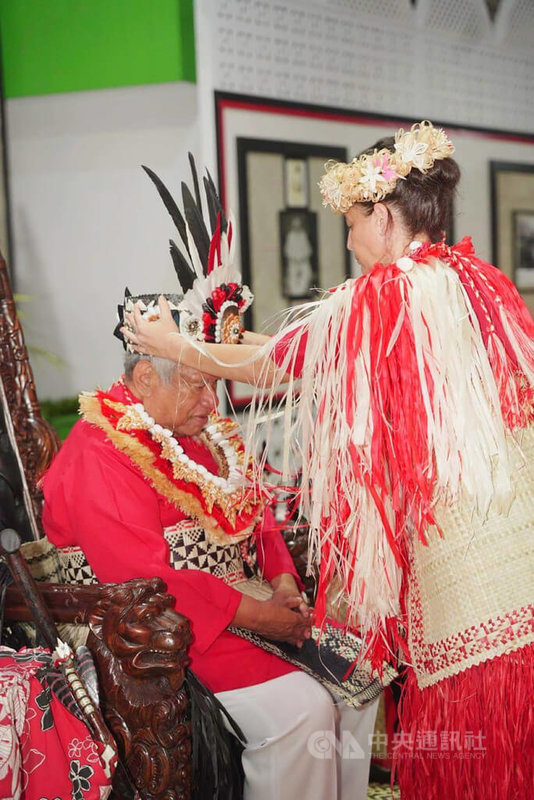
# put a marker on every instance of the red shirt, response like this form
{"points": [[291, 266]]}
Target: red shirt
{"points": [[96, 498]]}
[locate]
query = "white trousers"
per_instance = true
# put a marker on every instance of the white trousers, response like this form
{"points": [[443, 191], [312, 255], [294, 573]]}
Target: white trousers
{"points": [[300, 744]]}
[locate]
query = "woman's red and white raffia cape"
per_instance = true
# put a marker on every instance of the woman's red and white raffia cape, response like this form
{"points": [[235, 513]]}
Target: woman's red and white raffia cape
{"points": [[412, 376]]}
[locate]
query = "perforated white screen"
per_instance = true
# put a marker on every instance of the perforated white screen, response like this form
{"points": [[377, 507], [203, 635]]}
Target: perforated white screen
{"points": [[444, 59]]}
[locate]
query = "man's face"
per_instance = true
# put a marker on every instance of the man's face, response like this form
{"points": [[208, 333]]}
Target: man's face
{"points": [[183, 404]]}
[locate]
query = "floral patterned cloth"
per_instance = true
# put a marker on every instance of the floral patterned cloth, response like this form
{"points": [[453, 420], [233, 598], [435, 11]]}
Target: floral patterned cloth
{"points": [[46, 753]]}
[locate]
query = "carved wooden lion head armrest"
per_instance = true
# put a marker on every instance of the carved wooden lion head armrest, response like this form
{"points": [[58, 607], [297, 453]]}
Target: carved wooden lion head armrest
{"points": [[139, 644], [140, 647]]}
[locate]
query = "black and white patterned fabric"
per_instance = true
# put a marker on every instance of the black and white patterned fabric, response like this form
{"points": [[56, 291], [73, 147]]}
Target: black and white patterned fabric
{"points": [[75, 567], [189, 548], [42, 560], [331, 657]]}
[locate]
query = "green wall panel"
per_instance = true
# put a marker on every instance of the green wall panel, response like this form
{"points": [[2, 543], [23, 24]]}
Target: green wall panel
{"points": [[71, 45]]}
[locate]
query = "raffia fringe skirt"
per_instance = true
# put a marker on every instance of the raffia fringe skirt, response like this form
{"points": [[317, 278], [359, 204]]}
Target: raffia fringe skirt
{"points": [[467, 711]]}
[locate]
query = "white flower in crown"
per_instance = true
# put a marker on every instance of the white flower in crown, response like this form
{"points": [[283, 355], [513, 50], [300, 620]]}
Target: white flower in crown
{"points": [[371, 174], [411, 151], [190, 325]]}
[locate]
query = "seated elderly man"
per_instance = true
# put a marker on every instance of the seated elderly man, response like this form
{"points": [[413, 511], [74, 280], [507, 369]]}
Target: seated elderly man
{"points": [[152, 482], [149, 483]]}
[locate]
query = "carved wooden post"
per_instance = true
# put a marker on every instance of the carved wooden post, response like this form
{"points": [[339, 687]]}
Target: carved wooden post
{"points": [[33, 439]]}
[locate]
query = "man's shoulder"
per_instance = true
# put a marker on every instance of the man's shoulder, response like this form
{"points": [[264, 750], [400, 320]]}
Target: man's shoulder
{"points": [[86, 444], [84, 435]]}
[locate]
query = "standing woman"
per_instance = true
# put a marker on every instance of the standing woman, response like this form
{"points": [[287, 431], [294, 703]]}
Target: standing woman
{"points": [[415, 417]]}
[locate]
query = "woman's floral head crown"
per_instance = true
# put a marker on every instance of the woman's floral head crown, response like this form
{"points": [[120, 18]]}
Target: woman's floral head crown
{"points": [[372, 176]]}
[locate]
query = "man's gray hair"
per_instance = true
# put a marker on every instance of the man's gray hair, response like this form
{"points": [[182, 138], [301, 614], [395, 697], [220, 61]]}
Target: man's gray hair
{"points": [[163, 366]]}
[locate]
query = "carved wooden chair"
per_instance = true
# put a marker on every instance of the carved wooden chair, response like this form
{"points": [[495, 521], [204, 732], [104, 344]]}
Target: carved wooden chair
{"points": [[144, 702]]}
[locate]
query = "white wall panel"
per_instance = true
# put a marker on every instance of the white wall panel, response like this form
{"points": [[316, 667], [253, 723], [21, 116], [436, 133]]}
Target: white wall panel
{"points": [[435, 58], [87, 220]]}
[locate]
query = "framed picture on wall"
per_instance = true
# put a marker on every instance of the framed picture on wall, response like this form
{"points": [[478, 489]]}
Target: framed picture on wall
{"points": [[298, 253], [296, 182], [512, 196], [291, 246], [523, 232], [249, 188], [287, 249]]}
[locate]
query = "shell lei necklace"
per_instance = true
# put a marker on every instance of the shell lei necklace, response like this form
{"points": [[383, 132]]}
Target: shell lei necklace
{"points": [[228, 505], [214, 434]]}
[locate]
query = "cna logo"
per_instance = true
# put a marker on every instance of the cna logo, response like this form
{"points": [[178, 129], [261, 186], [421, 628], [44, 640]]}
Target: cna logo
{"points": [[325, 744]]}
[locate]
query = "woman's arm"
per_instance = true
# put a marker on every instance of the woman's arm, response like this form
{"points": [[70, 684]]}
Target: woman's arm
{"points": [[249, 337], [249, 363]]}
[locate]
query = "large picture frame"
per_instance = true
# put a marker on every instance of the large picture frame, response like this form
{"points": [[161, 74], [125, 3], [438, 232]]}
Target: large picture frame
{"points": [[512, 208], [269, 209], [249, 117], [290, 245], [523, 233]]}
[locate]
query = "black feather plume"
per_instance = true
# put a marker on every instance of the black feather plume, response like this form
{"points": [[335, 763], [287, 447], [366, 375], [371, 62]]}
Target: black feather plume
{"points": [[213, 197], [186, 275], [217, 769], [191, 222], [214, 207], [170, 205], [195, 182], [197, 226]]}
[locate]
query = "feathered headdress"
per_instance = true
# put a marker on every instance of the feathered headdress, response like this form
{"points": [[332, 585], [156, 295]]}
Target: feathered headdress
{"points": [[213, 298]]}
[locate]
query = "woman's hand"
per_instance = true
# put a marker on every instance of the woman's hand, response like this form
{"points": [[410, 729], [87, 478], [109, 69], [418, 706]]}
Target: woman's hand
{"points": [[159, 337], [249, 363]]}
